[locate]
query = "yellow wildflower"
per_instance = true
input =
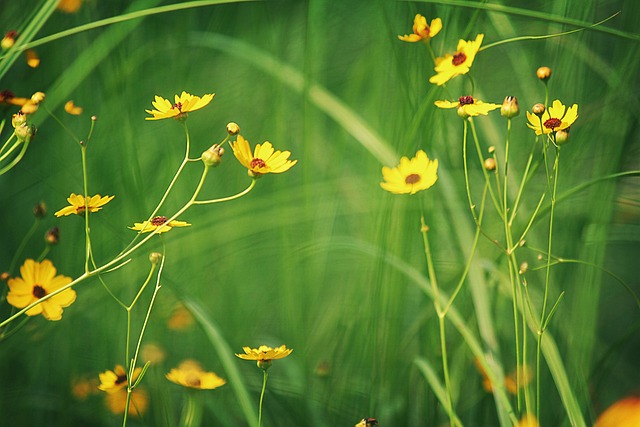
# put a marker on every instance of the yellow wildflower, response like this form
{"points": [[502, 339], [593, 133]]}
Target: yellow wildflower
{"points": [[265, 353], [183, 104], [264, 158], [33, 60], [77, 204], [160, 223], [422, 31], [367, 422], [69, 6], [117, 402], [190, 374], [460, 62], [554, 118], [37, 281], [112, 381], [623, 413], [468, 106], [410, 176], [528, 420], [71, 108]]}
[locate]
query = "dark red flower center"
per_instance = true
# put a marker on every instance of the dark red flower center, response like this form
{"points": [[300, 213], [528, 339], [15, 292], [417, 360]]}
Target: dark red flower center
{"points": [[159, 220], [459, 58], [412, 179], [177, 105], [122, 379], [39, 291], [466, 100], [552, 123], [193, 381], [257, 163]]}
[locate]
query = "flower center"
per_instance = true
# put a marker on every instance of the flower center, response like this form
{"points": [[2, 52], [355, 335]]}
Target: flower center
{"points": [[193, 380], [159, 220], [38, 291], [412, 179], [552, 123], [121, 379], [257, 163], [177, 105], [466, 100], [459, 58]]}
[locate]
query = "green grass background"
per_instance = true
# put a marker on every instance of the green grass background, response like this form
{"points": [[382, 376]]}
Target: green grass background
{"points": [[321, 258]]}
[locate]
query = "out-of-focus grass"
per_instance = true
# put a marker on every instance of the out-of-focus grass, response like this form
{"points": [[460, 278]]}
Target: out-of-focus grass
{"points": [[295, 262]]}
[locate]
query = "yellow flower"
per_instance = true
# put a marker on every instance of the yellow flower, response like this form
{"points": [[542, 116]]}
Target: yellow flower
{"points": [[180, 319], [69, 6], [160, 223], [71, 108], [422, 31], [39, 280], [528, 421], [367, 422], [468, 106], [112, 381], [117, 402], [460, 62], [623, 413], [32, 58], [410, 176], [190, 374], [554, 118], [8, 98], [77, 202], [184, 103], [265, 353], [263, 160]]}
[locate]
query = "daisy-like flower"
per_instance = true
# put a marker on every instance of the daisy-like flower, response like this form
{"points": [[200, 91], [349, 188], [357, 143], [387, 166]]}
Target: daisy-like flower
{"points": [[160, 223], [183, 104], [117, 402], [263, 355], [422, 31], [623, 413], [77, 204], [190, 374], [555, 118], [38, 279], [410, 176], [468, 106], [460, 62], [264, 158], [112, 381], [367, 422]]}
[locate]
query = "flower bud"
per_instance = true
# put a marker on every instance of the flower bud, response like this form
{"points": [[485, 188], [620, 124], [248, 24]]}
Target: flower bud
{"points": [[25, 131], [18, 119], [510, 107], [264, 364], [233, 128], [462, 113], [52, 236], [523, 267], [40, 210], [490, 164], [538, 109], [543, 73], [155, 257], [491, 149], [33, 60], [38, 97], [213, 155], [562, 136], [9, 40], [4, 276]]}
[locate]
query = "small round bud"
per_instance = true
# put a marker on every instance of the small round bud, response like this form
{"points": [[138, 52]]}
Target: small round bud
{"points": [[9, 40], [94, 118], [18, 119], [40, 210], [562, 136], [25, 131], [155, 257], [543, 73], [510, 107], [233, 128], [52, 236], [38, 97], [523, 267], [491, 149], [538, 109], [540, 257], [4, 276], [213, 155], [490, 164], [264, 364]]}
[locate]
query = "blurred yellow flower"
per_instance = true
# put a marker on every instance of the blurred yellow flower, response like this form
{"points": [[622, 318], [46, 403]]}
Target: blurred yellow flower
{"points": [[623, 413], [263, 160], [33, 60], [510, 381], [190, 374], [265, 353], [152, 353], [449, 66], [160, 223], [77, 204], [69, 6], [112, 381], [117, 401], [410, 176], [468, 106], [367, 422], [422, 31], [183, 104], [528, 421], [71, 108], [180, 319], [82, 388], [39, 280], [9, 39], [8, 98], [554, 118]]}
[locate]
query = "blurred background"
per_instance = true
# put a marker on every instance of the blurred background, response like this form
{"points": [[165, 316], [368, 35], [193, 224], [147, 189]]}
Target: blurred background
{"points": [[320, 258]]}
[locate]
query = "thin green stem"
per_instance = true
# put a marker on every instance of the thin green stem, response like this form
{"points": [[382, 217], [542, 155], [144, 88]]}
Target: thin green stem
{"points": [[476, 141], [13, 147], [264, 387], [17, 158], [525, 179], [85, 183]]}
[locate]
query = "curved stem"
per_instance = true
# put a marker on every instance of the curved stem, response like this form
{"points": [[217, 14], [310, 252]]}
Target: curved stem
{"points": [[264, 387]]}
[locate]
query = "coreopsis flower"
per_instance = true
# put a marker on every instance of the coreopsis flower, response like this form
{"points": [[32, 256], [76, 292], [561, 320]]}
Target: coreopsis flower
{"points": [[82, 388], [411, 175], [460, 62], [9, 39], [112, 381], [264, 158], [38, 279], [263, 355], [555, 118], [160, 223], [69, 6], [183, 104], [623, 413], [78, 204], [422, 31], [190, 374], [367, 422], [32, 58], [468, 106], [71, 108], [180, 319], [117, 402], [528, 420]]}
